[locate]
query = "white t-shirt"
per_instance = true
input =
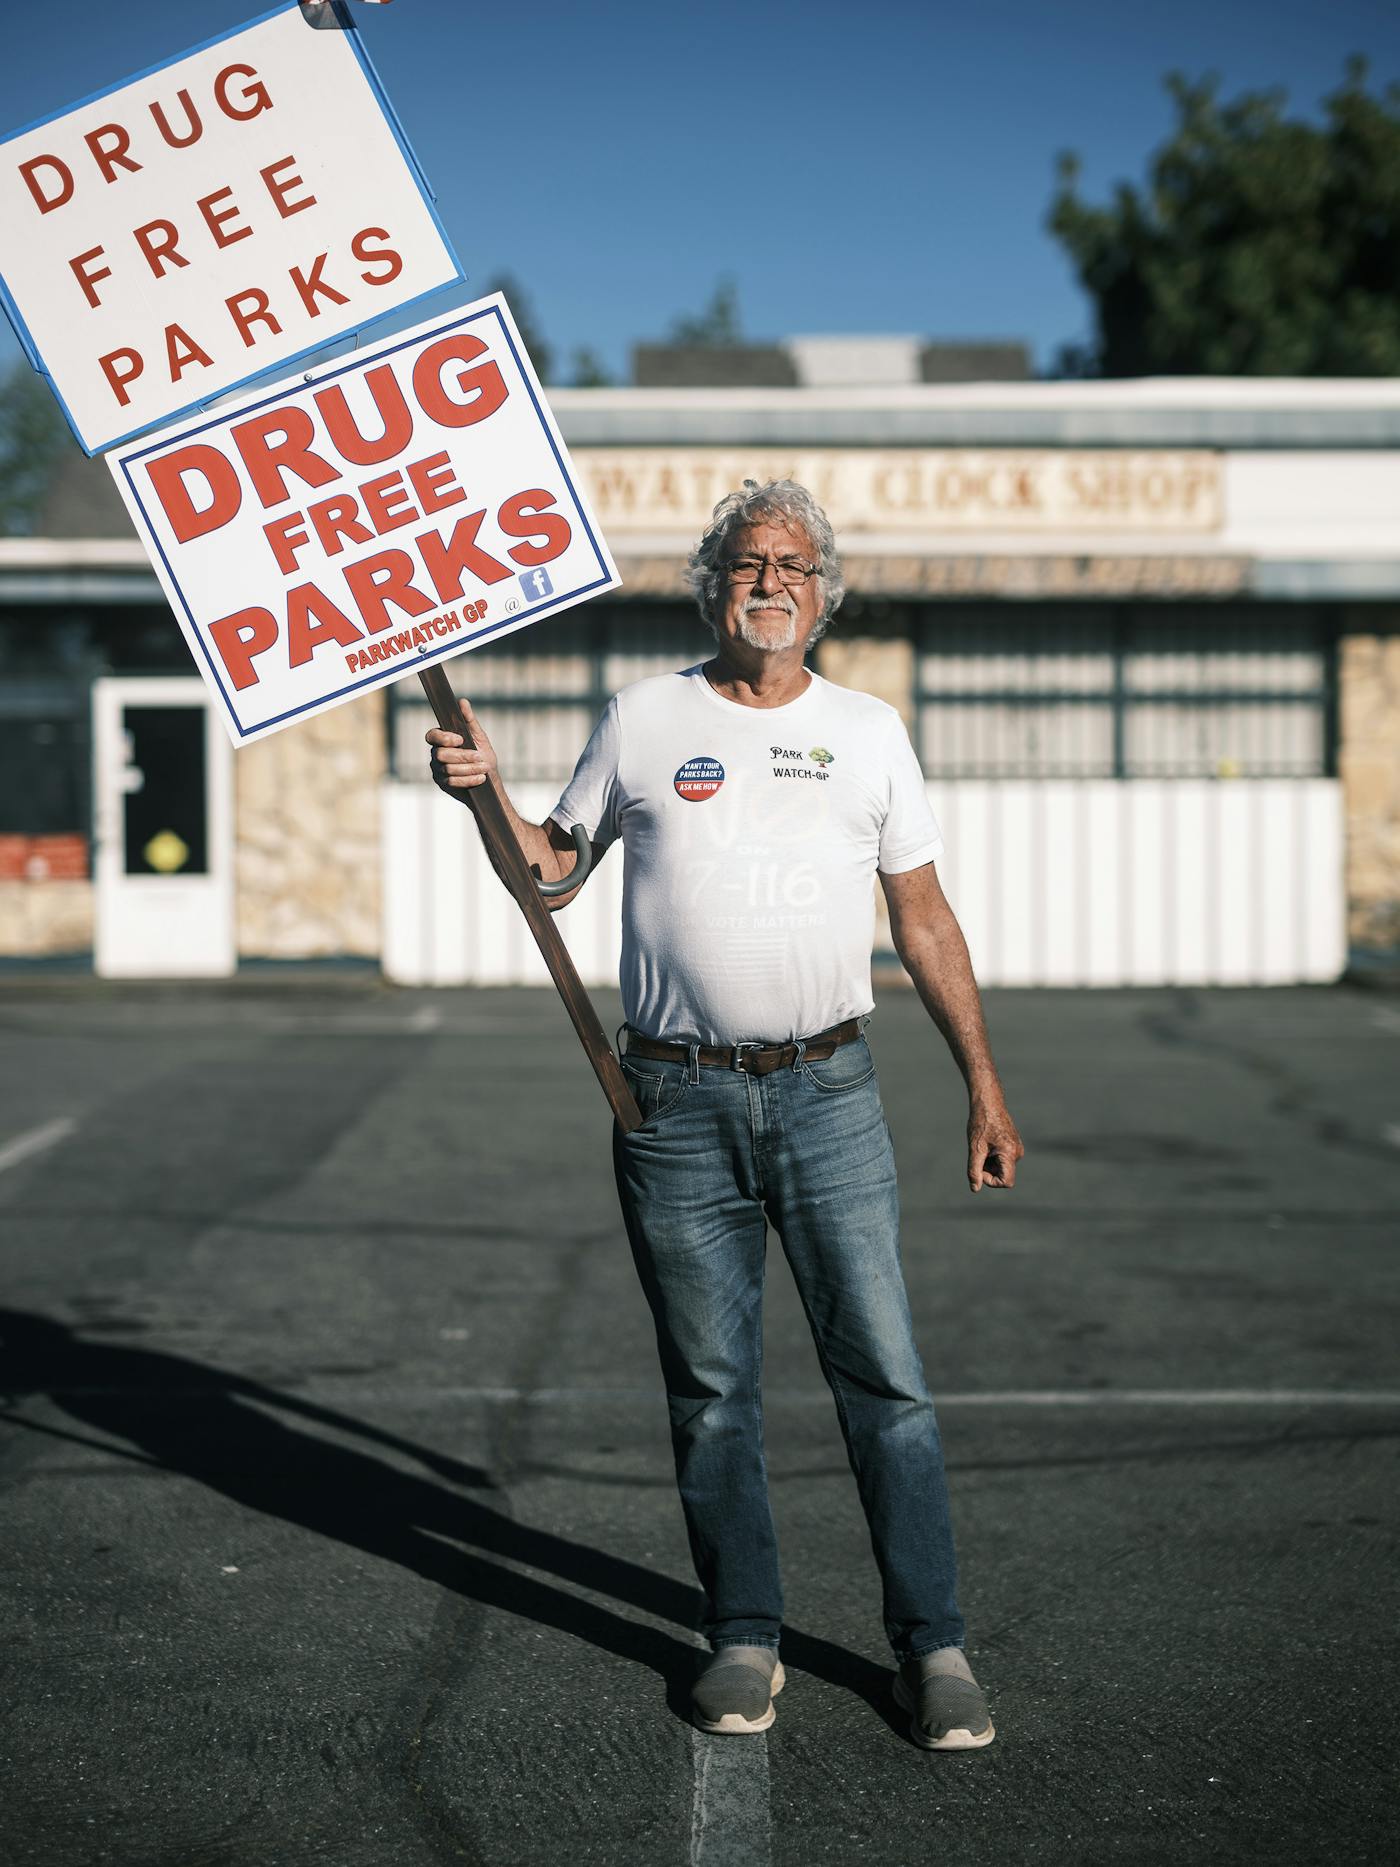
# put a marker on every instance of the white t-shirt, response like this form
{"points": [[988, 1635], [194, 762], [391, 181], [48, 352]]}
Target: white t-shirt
{"points": [[751, 837]]}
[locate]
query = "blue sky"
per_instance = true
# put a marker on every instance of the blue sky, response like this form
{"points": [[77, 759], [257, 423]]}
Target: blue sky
{"points": [[883, 166]]}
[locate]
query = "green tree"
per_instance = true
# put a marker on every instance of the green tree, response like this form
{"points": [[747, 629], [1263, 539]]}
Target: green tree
{"points": [[1260, 245], [33, 439], [589, 371], [521, 309], [717, 324]]}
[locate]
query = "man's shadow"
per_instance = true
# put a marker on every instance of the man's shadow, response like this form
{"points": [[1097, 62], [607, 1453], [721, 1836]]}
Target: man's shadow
{"points": [[211, 1426]]}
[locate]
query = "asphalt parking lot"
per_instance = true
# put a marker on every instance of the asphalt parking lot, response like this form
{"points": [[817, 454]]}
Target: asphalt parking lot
{"points": [[340, 1525]]}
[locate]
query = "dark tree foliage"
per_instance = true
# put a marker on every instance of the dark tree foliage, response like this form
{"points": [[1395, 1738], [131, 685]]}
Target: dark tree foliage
{"points": [[1259, 246], [541, 355], [717, 324], [33, 439], [589, 371]]}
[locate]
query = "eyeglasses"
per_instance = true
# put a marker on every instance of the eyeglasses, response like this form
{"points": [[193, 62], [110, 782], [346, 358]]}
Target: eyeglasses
{"points": [[792, 571]]}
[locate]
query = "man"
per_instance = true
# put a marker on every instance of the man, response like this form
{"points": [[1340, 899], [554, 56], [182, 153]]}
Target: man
{"points": [[755, 803]]}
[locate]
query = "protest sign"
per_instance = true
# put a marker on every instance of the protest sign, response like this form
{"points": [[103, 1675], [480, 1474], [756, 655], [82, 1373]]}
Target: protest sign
{"points": [[323, 538], [226, 213]]}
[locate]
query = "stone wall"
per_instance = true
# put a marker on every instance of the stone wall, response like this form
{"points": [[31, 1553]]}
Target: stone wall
{"points": [[1368, 762], [883, 665], [307, 859], [45, 917]]}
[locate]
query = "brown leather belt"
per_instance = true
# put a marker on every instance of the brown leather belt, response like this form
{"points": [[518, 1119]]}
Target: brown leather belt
{"points": [[754, 1059]]}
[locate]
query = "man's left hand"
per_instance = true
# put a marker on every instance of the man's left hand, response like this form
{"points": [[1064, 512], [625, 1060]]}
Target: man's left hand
{"points": [[993, 1146]]}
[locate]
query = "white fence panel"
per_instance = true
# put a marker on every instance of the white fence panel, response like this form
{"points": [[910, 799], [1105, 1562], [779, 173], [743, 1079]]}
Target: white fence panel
{"points": [[1054, 882], [448, 921]]}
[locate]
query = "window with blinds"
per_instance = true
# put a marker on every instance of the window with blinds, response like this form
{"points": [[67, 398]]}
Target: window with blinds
{"points": [[539, 692], [1065, 691]]}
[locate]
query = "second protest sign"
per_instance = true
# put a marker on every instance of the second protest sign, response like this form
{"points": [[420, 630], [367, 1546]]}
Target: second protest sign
{"points": [[322, 540]]}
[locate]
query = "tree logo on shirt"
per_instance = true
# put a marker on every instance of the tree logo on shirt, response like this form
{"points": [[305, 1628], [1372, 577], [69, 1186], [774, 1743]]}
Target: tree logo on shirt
{"points": [[820, 756], [698, 779]]}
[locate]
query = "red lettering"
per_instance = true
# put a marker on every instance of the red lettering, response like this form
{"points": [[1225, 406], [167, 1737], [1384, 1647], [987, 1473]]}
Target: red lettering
{"points": [[280, 189], [216, 221], [117, 376], [385, 578], [387, 504], [484, 388], [284, 535], [310, 284], [157, 242], [194, 129], [304, 636], [433, 482], [238, 638], [397, 418], [88, 280], [268, 461], [547, 533], [336, 524], [168, 474], [367, 255], [181, 350], [253, 95], [446, 559], [251, 307], [46, 202], [109, 144]]}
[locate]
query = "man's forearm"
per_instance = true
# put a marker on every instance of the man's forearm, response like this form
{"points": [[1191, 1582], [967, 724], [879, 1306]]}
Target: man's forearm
{"points": [[533, 838], [536, 840], [936, 958], [460, 770]]}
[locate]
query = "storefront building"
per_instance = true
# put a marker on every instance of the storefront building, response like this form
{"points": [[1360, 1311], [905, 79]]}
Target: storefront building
{"points": [[1144, 636]]}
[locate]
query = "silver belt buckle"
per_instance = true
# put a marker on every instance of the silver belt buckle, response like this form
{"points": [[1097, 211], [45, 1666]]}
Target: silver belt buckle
{"points": [[745, 1043]]}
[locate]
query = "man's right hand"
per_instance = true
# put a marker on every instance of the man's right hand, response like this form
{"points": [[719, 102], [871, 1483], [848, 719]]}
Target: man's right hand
{"points": [[455, 769]]}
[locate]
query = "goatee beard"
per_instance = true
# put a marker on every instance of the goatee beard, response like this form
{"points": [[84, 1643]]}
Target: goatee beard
{"points": [[772, 639]]}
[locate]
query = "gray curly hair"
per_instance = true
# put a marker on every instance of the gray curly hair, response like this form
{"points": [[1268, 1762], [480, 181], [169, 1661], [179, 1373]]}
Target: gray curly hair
{"points": [[777, 499]]}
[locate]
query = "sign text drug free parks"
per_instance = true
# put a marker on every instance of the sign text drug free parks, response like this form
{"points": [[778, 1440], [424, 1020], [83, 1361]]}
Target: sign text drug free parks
{"points": [[323, 539], [235, 209]]}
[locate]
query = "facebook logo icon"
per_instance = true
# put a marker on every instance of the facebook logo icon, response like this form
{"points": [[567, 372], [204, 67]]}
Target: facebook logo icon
{"points": [[535, 584]]}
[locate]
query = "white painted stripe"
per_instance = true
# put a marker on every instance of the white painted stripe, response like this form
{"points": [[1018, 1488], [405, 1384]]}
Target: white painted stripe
{"points": [[730, 1822], [1386, 1019], [1087, 1398], [35, 1140], [1391, 1131]]}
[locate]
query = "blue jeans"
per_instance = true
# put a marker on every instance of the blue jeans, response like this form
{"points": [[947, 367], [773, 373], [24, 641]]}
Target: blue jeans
{"points": [[719, 1154]]}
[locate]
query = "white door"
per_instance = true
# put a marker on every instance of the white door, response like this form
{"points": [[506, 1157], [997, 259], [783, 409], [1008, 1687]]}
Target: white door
{"points": [[163, 817]]}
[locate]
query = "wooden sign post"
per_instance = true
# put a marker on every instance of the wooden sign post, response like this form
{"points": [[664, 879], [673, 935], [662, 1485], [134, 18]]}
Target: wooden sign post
{"points": [[509, 860]]}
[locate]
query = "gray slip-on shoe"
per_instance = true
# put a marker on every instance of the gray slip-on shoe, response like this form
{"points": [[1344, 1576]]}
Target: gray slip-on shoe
{"points": [[734, 1693], [946, 1712]]}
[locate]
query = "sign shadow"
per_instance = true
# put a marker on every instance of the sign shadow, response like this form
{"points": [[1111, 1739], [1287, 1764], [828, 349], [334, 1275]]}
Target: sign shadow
{"points": [[448, 1522]]}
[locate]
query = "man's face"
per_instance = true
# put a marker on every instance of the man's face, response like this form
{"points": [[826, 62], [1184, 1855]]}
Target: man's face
{"points": [[768, 613]]}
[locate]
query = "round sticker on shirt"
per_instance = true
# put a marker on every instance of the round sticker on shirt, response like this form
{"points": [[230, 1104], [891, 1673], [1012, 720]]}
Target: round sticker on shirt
{"points": [[698, 779]]}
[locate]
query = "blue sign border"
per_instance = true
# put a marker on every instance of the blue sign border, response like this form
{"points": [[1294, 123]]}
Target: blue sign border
{"points": [[380, 96], [379, 678]]}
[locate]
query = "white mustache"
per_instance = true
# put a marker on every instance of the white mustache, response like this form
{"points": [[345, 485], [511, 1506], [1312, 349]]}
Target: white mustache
{"points": [[782, 601]]}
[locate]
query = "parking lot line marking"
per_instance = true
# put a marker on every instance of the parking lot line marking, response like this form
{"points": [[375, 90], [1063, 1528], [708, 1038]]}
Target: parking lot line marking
{"points": [[730, 1823], [805, 1396], [1386, 1019], [35, 1140]]}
